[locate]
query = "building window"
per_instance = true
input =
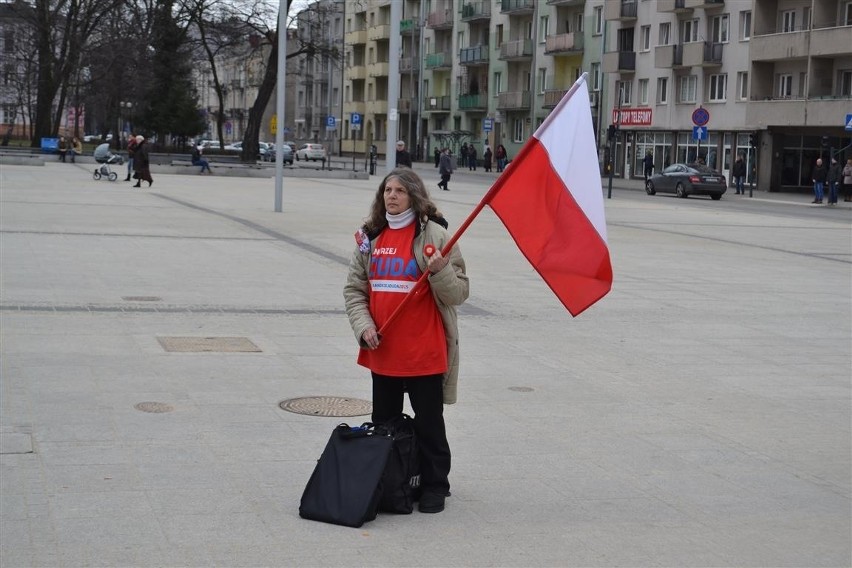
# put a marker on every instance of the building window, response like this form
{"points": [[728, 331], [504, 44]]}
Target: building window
{"points": [[849, 13], [689, 31], [645, 38], [542, 28], [518, 130], [542, 80], [785, 86], [788, 21], [498, 83], [742, 85], [745, 25], [643, 91], [597, 15], [806, 18], [578, 23], [720, 29], [596, 76], [686, 88], [665, 33], [663, 91], [845, 83], [624, 88], [499, 34], [718, 88]]}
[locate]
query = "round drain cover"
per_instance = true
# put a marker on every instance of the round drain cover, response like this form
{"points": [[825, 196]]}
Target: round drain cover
{"points": [[154, 407], [327, 406], [521, 389]]}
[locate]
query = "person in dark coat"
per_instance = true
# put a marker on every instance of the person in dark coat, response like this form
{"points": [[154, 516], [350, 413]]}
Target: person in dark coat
{"points": [[486, 158], [471, 157], [446, 169], [738, 172], [820, 175], [648, 165], [835, 174], [437, 157], [141, 162], [403, 158]]}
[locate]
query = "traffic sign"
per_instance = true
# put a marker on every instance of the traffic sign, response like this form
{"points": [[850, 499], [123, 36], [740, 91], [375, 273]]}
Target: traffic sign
{"points": [[488, 124], [356, 118], [849, 122], [700, 117], [330, 123], [699, 133]]}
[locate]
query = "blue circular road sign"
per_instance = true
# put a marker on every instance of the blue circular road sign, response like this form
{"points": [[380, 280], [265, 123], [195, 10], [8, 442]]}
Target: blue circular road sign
{"points": [[700, 117]]}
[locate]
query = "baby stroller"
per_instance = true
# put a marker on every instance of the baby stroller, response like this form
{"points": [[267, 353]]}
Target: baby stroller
{"points": [[105, 157]]}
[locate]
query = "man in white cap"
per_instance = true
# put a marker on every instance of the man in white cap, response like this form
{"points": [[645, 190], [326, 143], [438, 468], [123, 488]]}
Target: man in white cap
{"points": [[403, 158]]}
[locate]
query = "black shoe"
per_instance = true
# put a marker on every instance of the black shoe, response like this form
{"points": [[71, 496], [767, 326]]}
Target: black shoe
{"points": [[150, 183], [431, 503], [138, 184], [814, 201], [127, 178], [446, 189]]}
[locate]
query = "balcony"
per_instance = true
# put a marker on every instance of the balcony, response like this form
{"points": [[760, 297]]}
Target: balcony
{"points": [[377, 107], [409, 65], [702, 54], [439, 61], [673, 6], [516, 50], [408, 27], [565, 2], [378, 33], [476, 11], [306, 79], [378, 69], [517, 7], [829, 42], [569, 43], [623, 11], [356, 106], [552, 97], [356, 73], [440, 20], [474, 56], [356, 37], [473, 102], [778, 46], [704, 4], [514, 100], [436, 104], [668, 56], [619, 62]]}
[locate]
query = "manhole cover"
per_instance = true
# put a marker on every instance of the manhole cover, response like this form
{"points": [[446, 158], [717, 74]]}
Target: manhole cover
{"points": [[521, 389], [208, 344], [327, 406], [142, 298], [154, 407]]}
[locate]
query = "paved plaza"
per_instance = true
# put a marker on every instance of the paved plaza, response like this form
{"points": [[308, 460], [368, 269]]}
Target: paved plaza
{"points": [[698, 415]]}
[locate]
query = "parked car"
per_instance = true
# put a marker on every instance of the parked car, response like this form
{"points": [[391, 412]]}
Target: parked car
{"points": [[286, 152], [234, 147], [688, 179], [311, 152], [210, 144]]}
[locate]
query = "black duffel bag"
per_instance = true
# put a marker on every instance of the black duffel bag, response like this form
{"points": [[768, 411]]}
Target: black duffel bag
{"points": [[346, 485], [401, 478]]}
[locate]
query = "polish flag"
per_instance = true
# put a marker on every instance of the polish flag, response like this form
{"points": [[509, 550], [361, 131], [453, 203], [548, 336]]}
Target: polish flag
{"points": [[551, 201]]}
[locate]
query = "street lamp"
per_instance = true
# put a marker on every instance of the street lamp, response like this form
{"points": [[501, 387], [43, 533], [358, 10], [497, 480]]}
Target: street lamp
{"points": [[124, 109]]}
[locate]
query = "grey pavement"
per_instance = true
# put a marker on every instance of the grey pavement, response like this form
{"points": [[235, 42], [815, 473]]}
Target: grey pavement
{"points": [[699, 415]]}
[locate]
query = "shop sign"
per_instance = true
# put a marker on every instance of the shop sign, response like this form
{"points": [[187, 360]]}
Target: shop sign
{"points": [[632, 116]]}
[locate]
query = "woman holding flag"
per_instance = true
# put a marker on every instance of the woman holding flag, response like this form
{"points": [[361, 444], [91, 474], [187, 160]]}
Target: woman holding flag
{"points": [[399, 253]]}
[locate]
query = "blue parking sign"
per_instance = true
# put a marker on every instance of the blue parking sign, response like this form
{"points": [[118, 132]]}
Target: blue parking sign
{"points": [[356, 118]]}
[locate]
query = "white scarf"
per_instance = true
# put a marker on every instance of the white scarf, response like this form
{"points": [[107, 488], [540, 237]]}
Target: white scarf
{"points": [[401, 220]]}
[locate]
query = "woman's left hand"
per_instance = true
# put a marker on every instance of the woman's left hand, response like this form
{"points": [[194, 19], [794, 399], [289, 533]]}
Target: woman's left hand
{"points": [[437, 262]]}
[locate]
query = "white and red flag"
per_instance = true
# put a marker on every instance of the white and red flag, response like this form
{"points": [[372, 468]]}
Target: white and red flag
{"points": [[550, 199]]}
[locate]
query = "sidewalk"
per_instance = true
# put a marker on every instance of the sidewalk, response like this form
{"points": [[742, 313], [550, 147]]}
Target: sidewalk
{"points": [[699, 415]]}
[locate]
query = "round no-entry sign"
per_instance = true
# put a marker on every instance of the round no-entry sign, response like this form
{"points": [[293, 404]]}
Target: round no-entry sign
{"points": [[700, 117]]}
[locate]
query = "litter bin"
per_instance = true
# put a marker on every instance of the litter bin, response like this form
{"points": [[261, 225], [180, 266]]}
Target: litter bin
{"points": [[49, 145]]}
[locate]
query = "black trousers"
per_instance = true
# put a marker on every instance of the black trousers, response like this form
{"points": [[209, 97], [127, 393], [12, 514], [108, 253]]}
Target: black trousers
{"points": [[426, 394]]}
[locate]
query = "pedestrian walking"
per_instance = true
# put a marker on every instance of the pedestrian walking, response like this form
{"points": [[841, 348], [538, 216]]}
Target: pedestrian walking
{"points": [[418, 353], [487, 156], [471, 157], [835, 174], [847, 180], [738, 172], [445, 169], [437, 157], [403, 158], [501, 157], [131, 151], [141, 162], [820, 175], [648, 165]]}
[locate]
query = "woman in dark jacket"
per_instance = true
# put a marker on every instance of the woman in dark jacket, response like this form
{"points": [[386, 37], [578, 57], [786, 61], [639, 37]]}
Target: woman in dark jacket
{"points": [[141, 162]]}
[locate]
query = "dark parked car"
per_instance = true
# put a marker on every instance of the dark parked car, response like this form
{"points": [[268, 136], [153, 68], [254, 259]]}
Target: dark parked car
{"points": [[688, 179]]}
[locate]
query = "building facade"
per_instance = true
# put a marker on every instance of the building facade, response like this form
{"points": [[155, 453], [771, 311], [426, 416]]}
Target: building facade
{"points": [[775, 72]]}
